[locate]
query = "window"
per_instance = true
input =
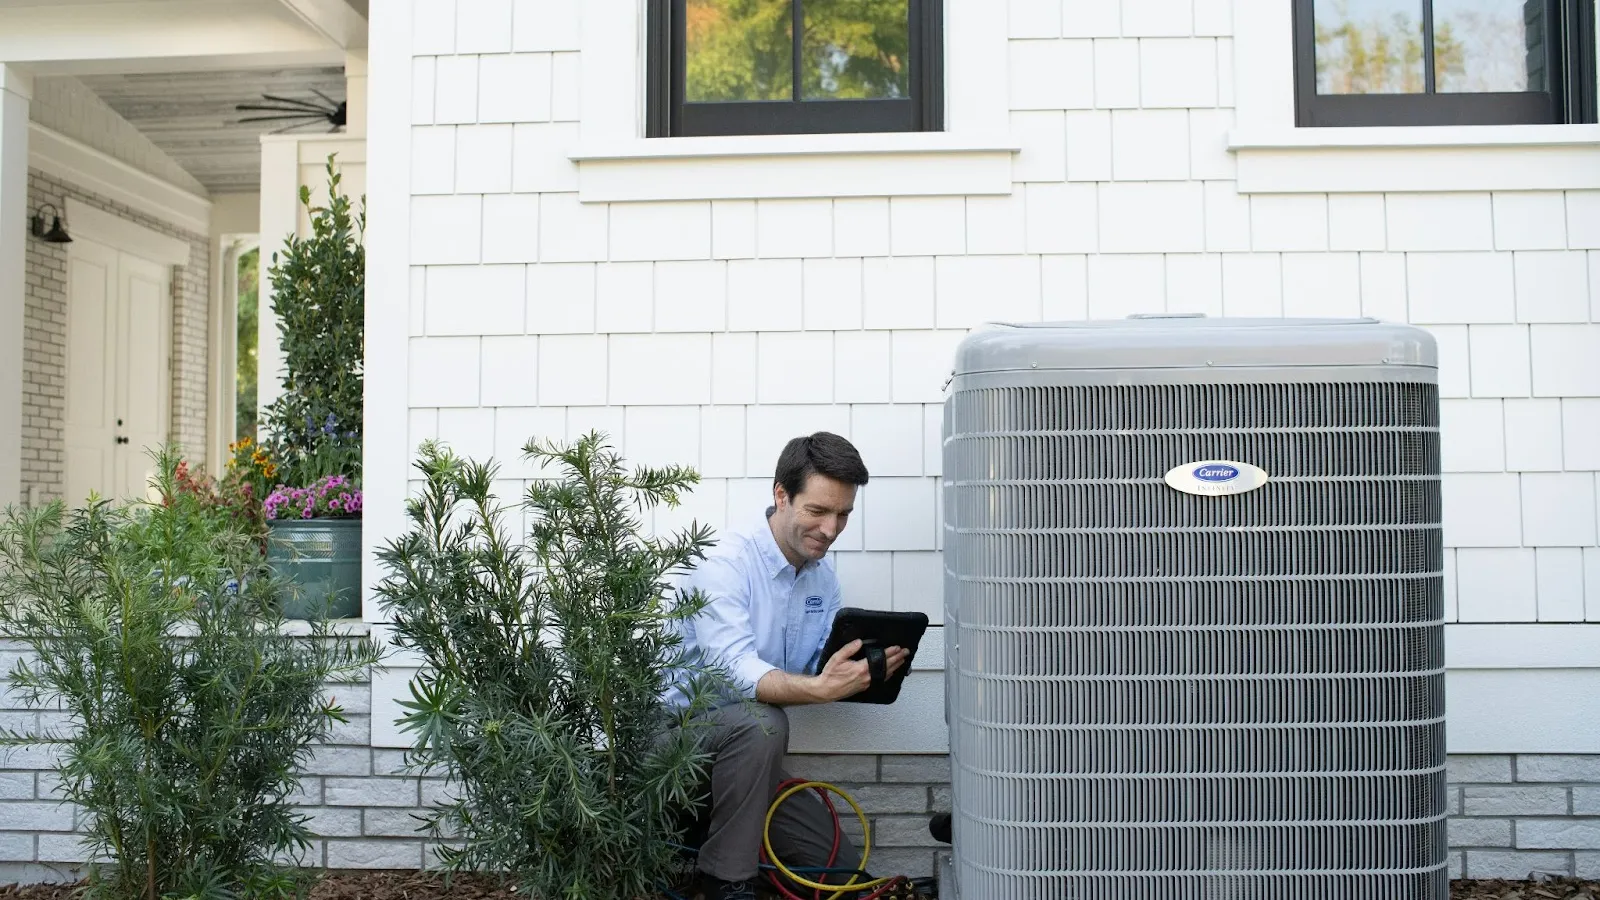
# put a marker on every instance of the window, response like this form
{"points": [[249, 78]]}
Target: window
{"points": [[1444, 62], [793, 67]]}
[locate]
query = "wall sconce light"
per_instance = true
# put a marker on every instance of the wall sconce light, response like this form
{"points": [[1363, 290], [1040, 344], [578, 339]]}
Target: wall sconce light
{"points": [[56, 234]]}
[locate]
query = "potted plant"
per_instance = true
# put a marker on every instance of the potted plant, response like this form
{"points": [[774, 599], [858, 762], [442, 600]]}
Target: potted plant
{"points": [[312, 508], [313, 527]]}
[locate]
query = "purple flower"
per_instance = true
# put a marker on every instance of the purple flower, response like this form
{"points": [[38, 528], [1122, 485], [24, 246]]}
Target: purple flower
{"points": [[327, 496]]}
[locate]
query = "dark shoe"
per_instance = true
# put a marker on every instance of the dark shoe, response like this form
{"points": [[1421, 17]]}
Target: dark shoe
{"points": [[717, 889]]}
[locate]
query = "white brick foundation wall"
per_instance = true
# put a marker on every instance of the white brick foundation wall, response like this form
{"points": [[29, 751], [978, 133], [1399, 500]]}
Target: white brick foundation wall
{"points": [[1516, 815], [1512, 816]]}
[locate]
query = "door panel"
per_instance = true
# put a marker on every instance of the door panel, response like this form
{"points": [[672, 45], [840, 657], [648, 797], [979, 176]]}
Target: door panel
{"points": [[92, 318], [146, 295], [119, 334]]}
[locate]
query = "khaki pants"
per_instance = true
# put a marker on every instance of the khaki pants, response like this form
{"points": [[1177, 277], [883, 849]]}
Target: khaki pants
{"points": [[748, 744]]}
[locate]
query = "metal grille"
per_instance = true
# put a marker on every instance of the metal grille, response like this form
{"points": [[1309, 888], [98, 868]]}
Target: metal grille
{"points": [[1153, 694]]}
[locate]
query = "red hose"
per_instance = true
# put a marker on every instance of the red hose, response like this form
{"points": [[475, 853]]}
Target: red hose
{"points": [[833, 854]]}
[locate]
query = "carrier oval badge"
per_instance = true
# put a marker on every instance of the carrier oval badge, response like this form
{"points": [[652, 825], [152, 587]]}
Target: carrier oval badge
{"points": [[1215, 477]]}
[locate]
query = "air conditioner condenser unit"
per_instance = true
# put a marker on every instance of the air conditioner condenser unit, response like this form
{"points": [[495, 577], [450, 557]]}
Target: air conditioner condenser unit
{"points": [[1193, 610]]}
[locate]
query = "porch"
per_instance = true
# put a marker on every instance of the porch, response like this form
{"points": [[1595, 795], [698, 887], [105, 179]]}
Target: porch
{"points": [[130, 188]]}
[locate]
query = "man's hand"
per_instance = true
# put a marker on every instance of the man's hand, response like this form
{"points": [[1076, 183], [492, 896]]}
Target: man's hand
{"points": [[841, 677], [894, 658]]}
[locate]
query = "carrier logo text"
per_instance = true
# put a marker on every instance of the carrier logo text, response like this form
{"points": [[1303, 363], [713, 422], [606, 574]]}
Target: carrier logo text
{"points": [[1216, 473], [1215, 477]]}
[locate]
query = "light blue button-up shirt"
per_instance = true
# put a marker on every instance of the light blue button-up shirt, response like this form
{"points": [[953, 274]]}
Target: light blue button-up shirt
{"points": [[760, 614]]}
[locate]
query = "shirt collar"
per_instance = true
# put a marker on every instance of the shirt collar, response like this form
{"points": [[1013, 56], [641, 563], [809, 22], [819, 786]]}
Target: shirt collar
{"points": [[771, 554]]}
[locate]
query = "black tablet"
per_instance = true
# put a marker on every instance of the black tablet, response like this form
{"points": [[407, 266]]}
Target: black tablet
{"points": [[878, 630]]}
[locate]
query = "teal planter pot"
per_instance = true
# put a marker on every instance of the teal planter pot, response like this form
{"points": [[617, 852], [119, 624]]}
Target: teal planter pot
{"points": [[317, 557]]}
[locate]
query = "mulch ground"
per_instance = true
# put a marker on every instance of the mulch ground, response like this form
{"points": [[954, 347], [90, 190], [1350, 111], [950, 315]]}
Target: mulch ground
{"points": [[427, 886], [1553, 889], [333, 886]]}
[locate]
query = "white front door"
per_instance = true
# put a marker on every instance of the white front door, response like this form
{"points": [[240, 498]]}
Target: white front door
{"points": [[91, 365], [146, 390], [119, 313]]}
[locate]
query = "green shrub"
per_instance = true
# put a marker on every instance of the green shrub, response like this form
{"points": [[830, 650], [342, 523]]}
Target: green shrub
{"points": [[189, 711], [542, 668], [319, 296]]}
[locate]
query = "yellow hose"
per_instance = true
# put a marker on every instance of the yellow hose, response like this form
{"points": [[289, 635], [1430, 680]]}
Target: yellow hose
{"points": [[866, 843]]}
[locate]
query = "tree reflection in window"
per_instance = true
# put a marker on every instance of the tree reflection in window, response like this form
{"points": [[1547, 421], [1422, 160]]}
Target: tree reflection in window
{"points": [[741, 50], [738, 50], [1444, 62], [855, 50], [1378, 46], [793, 66]]}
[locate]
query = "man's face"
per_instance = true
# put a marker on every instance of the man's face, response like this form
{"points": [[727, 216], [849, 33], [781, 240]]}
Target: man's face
{"points": [[808, 523]]}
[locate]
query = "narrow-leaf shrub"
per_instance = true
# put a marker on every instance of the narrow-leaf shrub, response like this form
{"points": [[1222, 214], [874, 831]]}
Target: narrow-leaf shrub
{"points": [[543, 663], [188, 711]]}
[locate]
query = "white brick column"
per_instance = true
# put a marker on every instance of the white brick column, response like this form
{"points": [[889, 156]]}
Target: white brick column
{"points": [[15, 91]]}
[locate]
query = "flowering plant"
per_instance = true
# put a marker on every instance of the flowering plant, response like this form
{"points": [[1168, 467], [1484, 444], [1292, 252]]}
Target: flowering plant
{"points": [[252, 467], [332, 496], [230, 500]]}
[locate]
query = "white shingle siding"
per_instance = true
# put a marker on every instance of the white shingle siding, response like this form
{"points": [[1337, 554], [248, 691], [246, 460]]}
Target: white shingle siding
{"points": [[709, 331]]}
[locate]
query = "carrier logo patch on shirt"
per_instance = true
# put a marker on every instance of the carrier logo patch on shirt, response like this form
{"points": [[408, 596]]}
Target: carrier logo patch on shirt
{"points": [[813, 605]]}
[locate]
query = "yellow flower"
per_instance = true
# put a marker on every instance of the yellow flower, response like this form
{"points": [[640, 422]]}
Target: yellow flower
{"points": [[270, 470]]}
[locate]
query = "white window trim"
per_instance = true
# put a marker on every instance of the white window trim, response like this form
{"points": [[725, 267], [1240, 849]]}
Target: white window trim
{"points": [[1274, 156], [617, 163]]}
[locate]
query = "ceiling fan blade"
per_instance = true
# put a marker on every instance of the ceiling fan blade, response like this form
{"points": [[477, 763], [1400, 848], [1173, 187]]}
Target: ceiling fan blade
{"points": [[256, 107], [308, 119], [304, 104]]}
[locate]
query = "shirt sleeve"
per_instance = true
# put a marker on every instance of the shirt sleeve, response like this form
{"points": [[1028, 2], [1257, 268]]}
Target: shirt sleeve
{"points": [[722, 628]]}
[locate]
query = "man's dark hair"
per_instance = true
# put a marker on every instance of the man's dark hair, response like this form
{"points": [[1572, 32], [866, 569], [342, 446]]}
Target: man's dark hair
{"points": [[823, 453]]}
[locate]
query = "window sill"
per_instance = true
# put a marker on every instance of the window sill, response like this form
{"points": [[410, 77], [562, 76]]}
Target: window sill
{"points": [[794, 166], [1464, 158]]}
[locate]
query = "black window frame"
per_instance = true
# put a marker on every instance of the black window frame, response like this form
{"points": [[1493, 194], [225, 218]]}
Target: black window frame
{"points": [[667, 115], [1571, 99]]}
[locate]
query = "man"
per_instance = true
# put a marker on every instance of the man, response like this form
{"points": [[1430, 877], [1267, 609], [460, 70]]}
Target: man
{"points": [[772, 598]]}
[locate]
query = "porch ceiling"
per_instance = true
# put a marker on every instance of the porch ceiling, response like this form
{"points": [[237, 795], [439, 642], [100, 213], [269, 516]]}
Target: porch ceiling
{"points": [[83, 37], [191, 115]]}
